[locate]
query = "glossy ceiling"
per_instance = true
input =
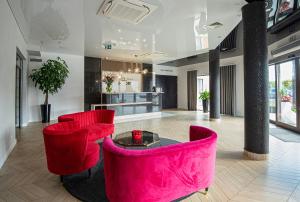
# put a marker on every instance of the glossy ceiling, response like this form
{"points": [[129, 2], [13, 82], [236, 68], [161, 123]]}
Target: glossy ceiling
{"points": [[176, 29]]}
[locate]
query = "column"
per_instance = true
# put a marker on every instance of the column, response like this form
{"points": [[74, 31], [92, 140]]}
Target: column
{"points": [[256, 81], [214, 83]]}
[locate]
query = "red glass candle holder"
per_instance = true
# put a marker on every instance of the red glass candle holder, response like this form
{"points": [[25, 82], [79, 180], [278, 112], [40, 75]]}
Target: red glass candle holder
{"points": [[138, 142], [137, 135]]}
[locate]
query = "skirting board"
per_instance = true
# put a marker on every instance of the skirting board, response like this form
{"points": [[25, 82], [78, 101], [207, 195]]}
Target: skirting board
{"points": [[11, 147], [137, 117]]}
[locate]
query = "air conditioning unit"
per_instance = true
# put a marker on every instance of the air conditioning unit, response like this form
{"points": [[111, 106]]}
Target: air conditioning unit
{"points": [[152, 54], [132, 11], [286, 49]]}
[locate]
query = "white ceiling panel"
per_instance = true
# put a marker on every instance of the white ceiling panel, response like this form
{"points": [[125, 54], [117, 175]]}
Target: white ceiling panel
{"points": [[175, 29]]}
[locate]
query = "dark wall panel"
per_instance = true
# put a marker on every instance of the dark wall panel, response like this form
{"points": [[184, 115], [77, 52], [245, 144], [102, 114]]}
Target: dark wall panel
{"points": [[169, 87], [147, 78], [92, 81]]}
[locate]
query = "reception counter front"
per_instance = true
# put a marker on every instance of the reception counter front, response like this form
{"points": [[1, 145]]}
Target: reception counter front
{"points": [[130, 103]]}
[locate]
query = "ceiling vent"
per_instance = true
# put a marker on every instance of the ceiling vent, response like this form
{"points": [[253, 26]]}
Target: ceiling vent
{"points": [[34, 56], [153, 54], [132, 11], [214, 25]]}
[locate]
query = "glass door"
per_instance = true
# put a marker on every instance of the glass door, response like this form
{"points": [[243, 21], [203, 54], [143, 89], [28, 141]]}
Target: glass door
{"points": [[284, 87], [272, 93], [287, 110]]}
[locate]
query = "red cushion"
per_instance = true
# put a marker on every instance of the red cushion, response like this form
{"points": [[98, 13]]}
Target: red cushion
{"points": [[100, 130]]}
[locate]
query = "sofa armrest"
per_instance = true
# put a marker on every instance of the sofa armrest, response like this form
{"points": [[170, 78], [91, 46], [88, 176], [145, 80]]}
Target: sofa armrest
{"points": [[198, 133]]}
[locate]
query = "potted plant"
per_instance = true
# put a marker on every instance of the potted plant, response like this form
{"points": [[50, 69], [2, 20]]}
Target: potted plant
{"points": [[49, 78], [108, 79], [204, 96]]}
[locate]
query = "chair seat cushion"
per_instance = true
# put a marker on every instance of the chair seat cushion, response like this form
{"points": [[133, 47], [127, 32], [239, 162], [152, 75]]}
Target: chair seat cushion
{"points": [[100, 130]]}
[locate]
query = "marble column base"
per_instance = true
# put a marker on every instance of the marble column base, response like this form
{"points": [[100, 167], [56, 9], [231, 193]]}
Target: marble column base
{"points": [[214, 119], [255, 156]]}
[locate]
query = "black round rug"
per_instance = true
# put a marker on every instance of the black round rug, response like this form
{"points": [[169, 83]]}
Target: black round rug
{"points": [[87, 189], [93, 189]]}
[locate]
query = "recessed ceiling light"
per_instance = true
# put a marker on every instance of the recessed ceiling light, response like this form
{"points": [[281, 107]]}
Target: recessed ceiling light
{"points": [[119, 30], [137, 39], [106, 58], [144, 40]]}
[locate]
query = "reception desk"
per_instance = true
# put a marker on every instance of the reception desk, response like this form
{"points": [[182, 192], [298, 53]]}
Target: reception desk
{"points": [[130, 103]]}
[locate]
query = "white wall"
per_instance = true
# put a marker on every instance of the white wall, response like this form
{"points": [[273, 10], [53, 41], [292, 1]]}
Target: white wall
{"points": [[203, 69], [69, 99], [10, 39]]}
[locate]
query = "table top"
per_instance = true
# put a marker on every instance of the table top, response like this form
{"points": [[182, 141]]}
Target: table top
{"points": [[124, 140], [148, 139]]}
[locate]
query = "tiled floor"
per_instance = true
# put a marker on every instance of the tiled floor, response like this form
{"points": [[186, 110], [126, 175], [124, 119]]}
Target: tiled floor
{"points": [[24, 177]]}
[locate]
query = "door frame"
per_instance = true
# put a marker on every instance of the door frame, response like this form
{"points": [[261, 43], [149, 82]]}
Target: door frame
{"points": [[277, 103], [19, 67]]}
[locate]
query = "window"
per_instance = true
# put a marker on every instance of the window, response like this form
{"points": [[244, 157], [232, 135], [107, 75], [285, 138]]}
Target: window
{"points": [[271, 7], [285, 7]]}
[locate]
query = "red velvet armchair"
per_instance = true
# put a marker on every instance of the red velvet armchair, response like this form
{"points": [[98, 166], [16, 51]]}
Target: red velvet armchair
{"points": [[99, 122], [68, 148], [160, 174]]}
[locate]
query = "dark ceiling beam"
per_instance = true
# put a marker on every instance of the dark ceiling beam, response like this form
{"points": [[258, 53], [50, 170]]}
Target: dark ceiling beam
{"points": [[249, 1]]}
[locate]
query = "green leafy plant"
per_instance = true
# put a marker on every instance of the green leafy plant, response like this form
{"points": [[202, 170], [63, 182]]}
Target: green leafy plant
{"points": [[283, 92], [287, 84], [50, 77], [204, 95]]}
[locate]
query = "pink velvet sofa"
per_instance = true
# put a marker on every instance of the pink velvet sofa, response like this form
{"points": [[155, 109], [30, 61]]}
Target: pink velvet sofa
{"points": [[99, 122], [160, 174]]}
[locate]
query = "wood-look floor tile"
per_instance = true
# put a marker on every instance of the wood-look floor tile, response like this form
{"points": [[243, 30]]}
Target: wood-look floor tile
{"points": [[24, 176]]}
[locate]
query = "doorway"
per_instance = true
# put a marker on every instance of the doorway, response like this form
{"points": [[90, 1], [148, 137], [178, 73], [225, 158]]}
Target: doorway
{"points": [[18, 91], [168, 84], [284, 98], [202, 85]]}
